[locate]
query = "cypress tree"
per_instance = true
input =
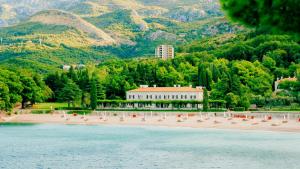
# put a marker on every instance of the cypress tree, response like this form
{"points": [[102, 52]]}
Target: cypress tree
{"points": [[202, 76], [100, 92], [208, 79], [205, 100], [94, 97], [215, 73]]}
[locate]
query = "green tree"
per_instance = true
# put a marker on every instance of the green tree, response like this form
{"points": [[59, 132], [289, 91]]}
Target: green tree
{"points": [[101, 92], [4, 97], [269, 63], [72, 74], [11, 81], [244, 101], [94, 98], [278, 15], [205, 100], [232, 100], [70, 93], [43, 92], [31, 92]]}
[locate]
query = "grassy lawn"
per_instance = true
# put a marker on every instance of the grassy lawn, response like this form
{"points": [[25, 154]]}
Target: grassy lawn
{"points": [[47, 106]]}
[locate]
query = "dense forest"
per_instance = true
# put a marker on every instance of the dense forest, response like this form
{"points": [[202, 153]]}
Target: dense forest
{"points": [[240, 69]]}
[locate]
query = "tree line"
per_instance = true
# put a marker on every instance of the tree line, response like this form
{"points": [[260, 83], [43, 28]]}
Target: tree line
{"points": [[76, 87], [16, 87], [227, 70]]}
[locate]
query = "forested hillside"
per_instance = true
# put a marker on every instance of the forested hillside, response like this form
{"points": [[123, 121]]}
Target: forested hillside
{"points": [[240, 69], [100, 29]]}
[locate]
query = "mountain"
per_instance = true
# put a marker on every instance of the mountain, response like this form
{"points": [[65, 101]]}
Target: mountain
{"points": [[46, 31], [55, 17], [15, 11]]}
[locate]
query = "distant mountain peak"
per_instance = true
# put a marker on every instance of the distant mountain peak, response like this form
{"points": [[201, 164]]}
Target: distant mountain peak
{"points": [[58, 17]]}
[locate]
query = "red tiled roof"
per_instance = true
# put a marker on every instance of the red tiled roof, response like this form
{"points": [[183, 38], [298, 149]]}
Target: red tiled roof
{"points": [[287, 79], [167, 89]]}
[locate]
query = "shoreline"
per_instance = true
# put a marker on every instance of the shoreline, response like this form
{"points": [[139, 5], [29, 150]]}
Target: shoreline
{"points": [[275, 125]]}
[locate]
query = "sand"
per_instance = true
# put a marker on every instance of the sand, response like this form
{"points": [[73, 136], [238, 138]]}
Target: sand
{"points": [[291, 125]]}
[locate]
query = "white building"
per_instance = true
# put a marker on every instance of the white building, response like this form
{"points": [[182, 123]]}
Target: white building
{"points": [[165, 52], [278, 81], [146, 93], [66, 67]]}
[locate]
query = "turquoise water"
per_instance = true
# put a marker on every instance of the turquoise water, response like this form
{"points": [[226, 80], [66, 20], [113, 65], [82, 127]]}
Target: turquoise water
{"points": [[116, 147]]}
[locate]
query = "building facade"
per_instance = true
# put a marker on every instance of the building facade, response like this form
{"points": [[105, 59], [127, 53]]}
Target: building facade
{"points": [[162, 98], [165, 52], [165, 93], [154, 97]]}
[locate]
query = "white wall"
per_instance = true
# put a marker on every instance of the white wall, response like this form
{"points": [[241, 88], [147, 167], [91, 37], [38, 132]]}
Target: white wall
{"points": [[164, 96]]}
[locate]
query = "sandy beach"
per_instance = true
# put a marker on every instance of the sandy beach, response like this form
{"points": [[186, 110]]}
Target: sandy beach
{"points": [[287, 125]]}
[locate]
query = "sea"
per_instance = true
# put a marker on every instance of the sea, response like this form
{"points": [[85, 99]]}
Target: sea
{"points": [[48, 146]]}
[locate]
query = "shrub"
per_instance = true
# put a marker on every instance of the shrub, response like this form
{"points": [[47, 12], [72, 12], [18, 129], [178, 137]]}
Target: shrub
{"points": [[41, 111], [239, 109]]}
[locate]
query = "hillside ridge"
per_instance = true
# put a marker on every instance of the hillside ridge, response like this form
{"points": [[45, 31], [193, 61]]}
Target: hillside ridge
{"points": [[58, 17]]}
